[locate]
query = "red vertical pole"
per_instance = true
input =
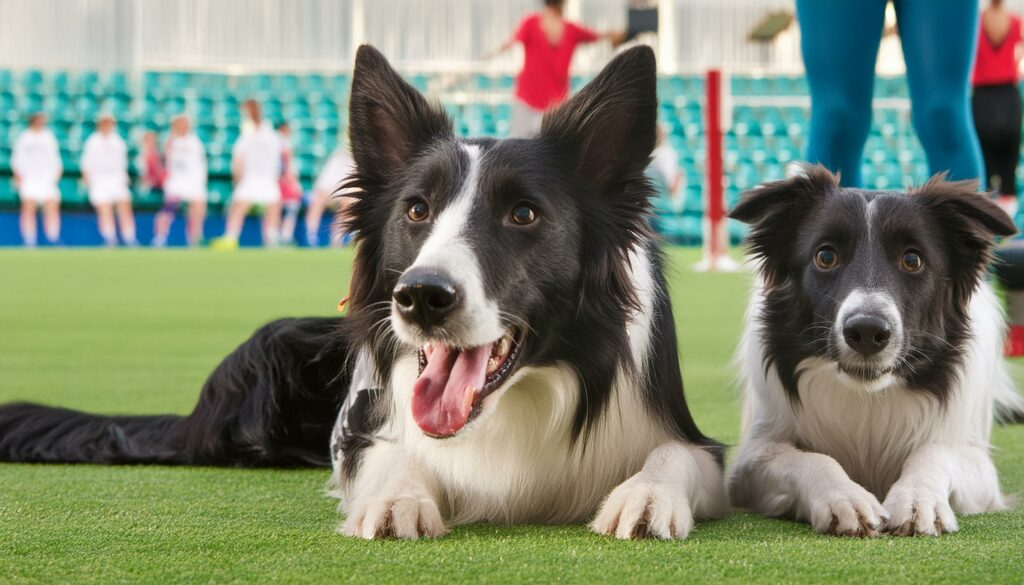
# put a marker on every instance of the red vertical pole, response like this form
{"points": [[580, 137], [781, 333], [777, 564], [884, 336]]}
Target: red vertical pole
{"points": [[713, 165]]}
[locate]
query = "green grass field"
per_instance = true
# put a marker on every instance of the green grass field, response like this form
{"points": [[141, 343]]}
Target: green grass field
{"points": [[137, 332]]}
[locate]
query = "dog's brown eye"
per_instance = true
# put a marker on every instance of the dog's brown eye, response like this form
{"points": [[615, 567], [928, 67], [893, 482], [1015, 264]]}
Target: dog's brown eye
{"points": [[826, 258], [911, 262], [523, 215], [418, 211]]}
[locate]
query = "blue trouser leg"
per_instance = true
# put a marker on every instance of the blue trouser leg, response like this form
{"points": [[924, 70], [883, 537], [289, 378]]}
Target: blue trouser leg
{"points": [[939, 41], [839, 39]]}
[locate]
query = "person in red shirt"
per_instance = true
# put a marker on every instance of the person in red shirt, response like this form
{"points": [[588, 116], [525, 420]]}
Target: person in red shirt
{"points": [[549, 42], [997, 101]]}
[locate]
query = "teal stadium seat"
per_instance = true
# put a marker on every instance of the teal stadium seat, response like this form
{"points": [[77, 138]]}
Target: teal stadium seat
{"points": [[8, 194], [72, 193], [762, 139]]}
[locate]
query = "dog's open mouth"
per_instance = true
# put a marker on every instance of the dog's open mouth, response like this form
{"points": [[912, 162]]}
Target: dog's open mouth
{"points": [[453, 382]]}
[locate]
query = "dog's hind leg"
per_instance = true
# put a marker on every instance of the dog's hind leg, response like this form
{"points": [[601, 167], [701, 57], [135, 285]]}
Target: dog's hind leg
{"points": [[677, 483]]}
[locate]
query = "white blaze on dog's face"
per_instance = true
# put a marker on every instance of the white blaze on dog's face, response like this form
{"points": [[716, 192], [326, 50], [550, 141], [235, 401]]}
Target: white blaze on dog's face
{"points": [[447, 275], [868, 336], [486, 253], [441, 306], [877, 283]]}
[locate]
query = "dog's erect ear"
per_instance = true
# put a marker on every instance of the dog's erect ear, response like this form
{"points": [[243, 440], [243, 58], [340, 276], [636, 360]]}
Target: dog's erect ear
{"points": [[388, 119], [611, 124], [774, 210], [970, 222]]}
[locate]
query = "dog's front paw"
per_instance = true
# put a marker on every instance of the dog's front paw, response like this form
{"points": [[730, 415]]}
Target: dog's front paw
{"points": [[409, 516], [641, 508], [919, 511], [849, 511]]}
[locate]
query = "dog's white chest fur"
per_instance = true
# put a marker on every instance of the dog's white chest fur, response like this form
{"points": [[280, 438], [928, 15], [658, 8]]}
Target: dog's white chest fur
{"points": [[516, 464], [870, 433]]}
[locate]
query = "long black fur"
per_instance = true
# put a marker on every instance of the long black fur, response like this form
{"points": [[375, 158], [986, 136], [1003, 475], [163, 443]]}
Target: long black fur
{"points": [[271, 402]]}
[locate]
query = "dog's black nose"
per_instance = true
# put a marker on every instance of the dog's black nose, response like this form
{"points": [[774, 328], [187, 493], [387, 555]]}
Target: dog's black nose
{"points": [[867, 334], [425, 296]]}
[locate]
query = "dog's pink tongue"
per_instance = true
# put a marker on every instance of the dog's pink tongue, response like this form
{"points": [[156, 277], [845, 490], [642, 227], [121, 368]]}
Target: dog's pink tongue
{"points": [[443, 395]]}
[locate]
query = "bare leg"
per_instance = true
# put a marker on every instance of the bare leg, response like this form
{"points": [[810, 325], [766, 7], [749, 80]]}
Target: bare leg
{"points": [[196, 217], [51, 220], [162, 223], [126, 218], [314, 213], [105, 219], [236, 218], [291, 217], [28, 222], [271, 224]]}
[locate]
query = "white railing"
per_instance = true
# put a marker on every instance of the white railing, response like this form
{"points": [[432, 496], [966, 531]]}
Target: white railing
{"points": [[306, 35]]}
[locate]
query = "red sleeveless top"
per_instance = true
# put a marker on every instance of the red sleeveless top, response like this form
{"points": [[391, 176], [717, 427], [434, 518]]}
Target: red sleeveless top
{"points": [[997, 64], [544, 80]]}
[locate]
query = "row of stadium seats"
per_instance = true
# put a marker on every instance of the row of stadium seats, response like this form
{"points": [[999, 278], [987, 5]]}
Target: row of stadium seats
{"points": [[286, 84], [761, 140]]}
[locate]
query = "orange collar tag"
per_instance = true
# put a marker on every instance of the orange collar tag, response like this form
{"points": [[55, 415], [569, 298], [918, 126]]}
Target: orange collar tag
{"points": [[342, 303]]}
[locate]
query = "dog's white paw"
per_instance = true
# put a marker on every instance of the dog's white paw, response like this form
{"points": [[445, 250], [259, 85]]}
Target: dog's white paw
{"points": [[641, 508], [849, 511], [919, 511], [407, 516]]}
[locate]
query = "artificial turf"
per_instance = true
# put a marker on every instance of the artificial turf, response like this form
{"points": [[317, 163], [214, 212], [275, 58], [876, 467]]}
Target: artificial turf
{"points": [[136, 331]]}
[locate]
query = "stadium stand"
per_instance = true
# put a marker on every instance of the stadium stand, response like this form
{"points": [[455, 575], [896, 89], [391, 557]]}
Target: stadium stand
{"points": [[765, 133]]}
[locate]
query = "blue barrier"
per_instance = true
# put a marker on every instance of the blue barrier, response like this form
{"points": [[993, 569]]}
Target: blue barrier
{"points": [[80, 229]]}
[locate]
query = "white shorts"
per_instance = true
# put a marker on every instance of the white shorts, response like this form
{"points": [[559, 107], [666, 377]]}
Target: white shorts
{"points": [[38, 190], [257, 190], [525, 122], [185, 189], [108, 190]]}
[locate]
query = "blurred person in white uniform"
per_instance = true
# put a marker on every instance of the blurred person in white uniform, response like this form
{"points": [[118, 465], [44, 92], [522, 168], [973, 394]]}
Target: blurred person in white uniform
{"points": [[256, 168], [37, 168], [336, 170], [105, 170], [669, 179], [291, 188], [185, 157]]}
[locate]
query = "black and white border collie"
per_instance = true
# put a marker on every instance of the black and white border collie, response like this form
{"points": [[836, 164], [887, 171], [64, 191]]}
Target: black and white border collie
{"points": [[510, 353], [872, 359]]}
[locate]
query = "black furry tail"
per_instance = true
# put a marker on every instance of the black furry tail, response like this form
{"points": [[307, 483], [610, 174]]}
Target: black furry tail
{"points": [[272, 402], [32, 432]]}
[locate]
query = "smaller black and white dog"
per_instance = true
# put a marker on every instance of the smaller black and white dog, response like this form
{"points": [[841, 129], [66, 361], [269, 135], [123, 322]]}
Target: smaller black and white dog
{"points": [[872, 358]]}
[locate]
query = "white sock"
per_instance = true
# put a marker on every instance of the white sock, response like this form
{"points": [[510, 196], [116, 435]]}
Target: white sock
{"points": [[30, 238], [109, 236], [271, 239], [52, 235]]}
